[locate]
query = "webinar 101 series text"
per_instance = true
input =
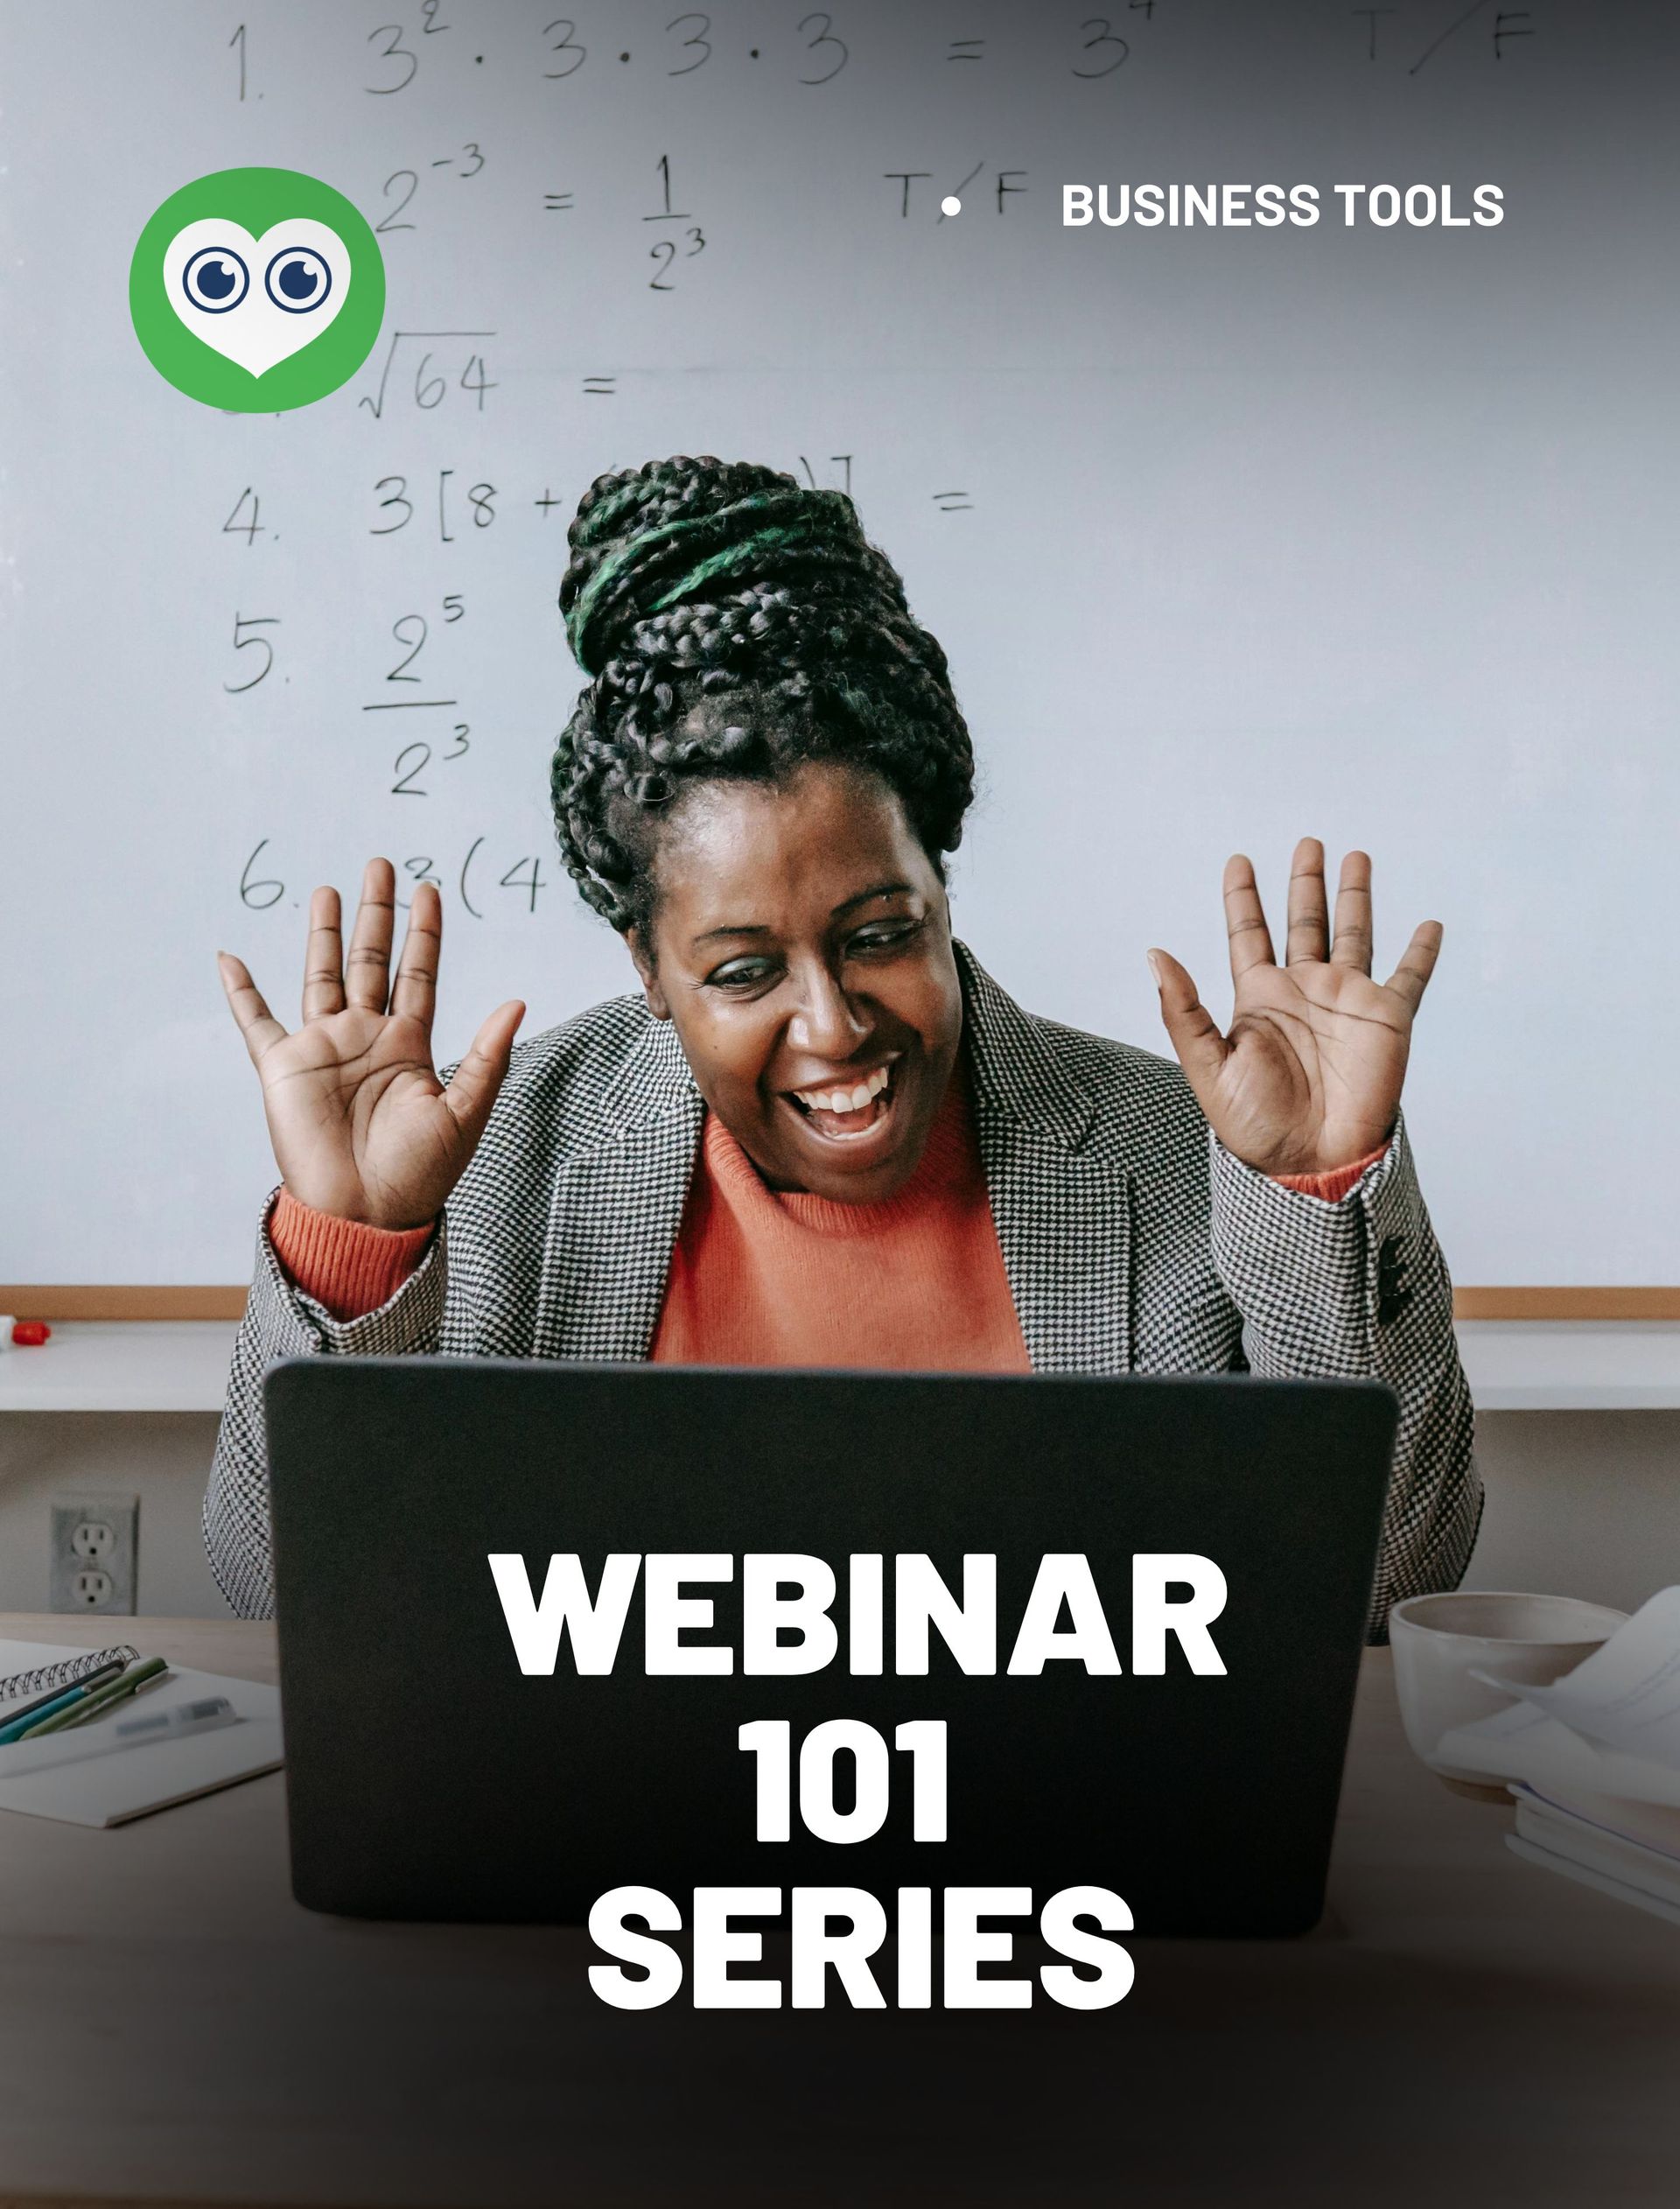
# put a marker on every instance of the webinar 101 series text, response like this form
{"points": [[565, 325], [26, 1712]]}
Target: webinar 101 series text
{"points": [[786, 1630]]}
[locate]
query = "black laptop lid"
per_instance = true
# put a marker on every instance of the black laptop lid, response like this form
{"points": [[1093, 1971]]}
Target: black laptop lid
{"points": [[429, 1776]]}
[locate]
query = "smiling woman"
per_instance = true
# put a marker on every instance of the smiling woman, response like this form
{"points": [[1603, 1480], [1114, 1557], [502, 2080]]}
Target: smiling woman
{"points": [[839, 1100], [821, 1135]]}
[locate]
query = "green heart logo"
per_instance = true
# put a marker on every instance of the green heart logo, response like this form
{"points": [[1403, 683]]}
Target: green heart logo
{"points": [[256, 289]]}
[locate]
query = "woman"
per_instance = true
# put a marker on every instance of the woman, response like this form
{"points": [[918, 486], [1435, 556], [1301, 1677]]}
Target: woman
{"points": [[821, 1134]]}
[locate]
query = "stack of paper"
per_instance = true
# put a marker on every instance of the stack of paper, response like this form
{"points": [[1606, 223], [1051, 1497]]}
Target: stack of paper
{"points": [[1596, 1762], [105, 1789]]}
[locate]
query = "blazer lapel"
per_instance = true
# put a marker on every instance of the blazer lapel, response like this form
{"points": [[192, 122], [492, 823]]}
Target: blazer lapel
{"points": [[616, 1210], [1063, 1215]]}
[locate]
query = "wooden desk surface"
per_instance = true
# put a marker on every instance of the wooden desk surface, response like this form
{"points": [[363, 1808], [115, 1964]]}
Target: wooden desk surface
{"points": [[1464, 2028]]}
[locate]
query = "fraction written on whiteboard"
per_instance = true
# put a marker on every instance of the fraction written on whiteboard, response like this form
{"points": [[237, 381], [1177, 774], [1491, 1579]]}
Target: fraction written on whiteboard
{"points": [[419, 761]]}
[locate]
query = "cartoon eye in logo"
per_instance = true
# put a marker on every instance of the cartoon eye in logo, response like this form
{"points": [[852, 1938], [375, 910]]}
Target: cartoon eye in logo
{"points": [[298, 279], [215, 279]]}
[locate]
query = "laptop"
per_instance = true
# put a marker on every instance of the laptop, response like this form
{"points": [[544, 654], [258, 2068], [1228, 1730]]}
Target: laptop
{"points": [[526, 1610]]}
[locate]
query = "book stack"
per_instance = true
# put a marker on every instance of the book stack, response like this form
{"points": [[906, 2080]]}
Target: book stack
{"points": [[1593, 1763]]}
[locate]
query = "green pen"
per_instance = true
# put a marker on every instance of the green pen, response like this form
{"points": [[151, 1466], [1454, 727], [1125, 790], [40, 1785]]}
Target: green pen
{"points": [[96, 1705], [16, 1723]]}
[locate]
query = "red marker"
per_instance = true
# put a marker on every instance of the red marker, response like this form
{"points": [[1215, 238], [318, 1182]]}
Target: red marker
{"points": [[28, 1333]]}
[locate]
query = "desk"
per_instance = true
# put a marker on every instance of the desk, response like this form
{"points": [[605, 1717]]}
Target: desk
{"points": [[1463, 2029]]}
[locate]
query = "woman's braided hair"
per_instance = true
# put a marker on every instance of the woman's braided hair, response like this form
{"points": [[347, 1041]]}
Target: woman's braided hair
{"points": [[736, 624]]}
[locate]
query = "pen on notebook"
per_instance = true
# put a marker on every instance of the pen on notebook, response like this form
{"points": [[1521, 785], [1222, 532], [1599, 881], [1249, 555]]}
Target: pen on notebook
{"points": [[20, 1721], [178, 1723], [47, 1681], [99, 1703]]}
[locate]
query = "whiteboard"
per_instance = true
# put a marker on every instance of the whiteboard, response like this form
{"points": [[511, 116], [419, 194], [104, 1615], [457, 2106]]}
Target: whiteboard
{"points": [[1230, 535]]}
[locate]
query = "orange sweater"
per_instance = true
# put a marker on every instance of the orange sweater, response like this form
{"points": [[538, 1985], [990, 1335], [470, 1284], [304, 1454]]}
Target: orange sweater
{"points": [[759, 1277]]}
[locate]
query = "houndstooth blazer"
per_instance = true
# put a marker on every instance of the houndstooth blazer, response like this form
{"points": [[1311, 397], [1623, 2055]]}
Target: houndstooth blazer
{"points": [[1132, 1240]]}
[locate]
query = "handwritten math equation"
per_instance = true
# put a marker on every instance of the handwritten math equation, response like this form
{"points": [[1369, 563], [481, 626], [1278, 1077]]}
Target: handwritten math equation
{"points": [[815, 46], [421, 736], [423, 726]]}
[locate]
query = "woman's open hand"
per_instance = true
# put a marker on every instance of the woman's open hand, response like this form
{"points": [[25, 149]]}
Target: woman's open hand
{"points": [[361, 1126], [1309, 1076]]}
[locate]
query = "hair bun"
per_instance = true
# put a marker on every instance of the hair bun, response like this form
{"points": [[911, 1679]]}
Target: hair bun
{"points": [[685, 529]]}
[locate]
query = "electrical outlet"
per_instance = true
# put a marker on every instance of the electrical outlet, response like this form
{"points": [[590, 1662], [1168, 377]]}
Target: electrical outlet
{"points": [[93, 1555]]}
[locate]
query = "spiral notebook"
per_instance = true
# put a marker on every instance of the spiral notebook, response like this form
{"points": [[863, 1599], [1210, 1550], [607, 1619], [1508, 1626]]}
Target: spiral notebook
{"points": [[108, 1789]]}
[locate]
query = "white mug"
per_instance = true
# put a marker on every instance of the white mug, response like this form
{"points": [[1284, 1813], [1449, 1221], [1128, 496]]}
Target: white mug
{"points": [[1441, 1642]]}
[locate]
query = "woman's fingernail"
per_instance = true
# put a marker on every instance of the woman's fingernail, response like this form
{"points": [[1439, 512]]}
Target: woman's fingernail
{"points": [[1155, 967]]}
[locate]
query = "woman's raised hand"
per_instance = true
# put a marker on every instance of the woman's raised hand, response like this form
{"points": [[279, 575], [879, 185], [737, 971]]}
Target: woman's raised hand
{"points": [[360, 1125], [1309, 1076]]}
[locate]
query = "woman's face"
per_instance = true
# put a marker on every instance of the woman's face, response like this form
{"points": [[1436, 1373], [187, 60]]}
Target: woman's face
{"points": [[803, 947]]}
